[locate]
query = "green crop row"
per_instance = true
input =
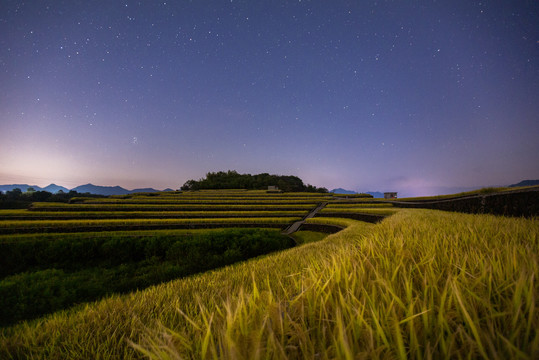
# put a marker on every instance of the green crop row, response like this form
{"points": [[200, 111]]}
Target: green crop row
{"points": [[58, 274], [66, 224], [100, 234], [81, 222], [72, 252], [483, 191]]}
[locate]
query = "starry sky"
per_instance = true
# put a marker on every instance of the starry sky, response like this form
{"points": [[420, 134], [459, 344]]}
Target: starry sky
{"points": [[413, 96]]}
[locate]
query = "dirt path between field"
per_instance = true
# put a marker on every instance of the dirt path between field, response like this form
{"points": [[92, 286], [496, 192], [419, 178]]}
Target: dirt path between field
{"points": [[295, 226]]}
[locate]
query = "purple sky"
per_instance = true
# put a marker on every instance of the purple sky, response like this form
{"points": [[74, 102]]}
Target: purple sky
{"points": [[408, 96]]}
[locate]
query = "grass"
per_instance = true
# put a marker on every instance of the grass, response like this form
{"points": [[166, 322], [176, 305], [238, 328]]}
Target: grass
{"points": [[102, 234], [41, 277], [421, 284], [305, 237]]}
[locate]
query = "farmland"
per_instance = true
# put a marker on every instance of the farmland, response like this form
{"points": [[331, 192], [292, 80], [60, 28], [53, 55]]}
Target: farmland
{"points": [[419, 283], [56, 255]]}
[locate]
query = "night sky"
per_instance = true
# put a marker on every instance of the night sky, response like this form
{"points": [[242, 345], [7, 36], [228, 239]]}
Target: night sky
{"points": [[412, 96]]}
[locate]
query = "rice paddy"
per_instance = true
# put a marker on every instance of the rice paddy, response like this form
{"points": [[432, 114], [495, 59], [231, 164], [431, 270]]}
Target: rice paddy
{"points": [[419, 284]]}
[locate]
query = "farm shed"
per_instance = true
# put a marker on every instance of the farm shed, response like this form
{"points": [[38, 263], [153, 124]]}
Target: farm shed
{"points": [[390, 195]]}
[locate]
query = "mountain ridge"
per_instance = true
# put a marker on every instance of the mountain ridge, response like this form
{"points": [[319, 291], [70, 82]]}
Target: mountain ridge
{"points": [[86, 188], [525, 183], [118, 190]]}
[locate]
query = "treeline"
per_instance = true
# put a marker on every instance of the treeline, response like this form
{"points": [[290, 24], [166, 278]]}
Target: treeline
{"points": [[16, 199], [41, 277], [232, 180]]}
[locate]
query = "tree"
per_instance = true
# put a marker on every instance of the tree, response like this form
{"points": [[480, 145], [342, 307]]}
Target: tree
{"points": [[232, 180], [14, 194]]}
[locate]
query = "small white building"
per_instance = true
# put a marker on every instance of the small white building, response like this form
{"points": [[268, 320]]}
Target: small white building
{"points": [[390, 195]]}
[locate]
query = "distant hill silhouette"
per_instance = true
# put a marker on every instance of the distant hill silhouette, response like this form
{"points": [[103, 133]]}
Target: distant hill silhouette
{"points": [[526, 183], [23, 187], [145, 190], [101, 190], [375, 194], [53, 188], [343, 191], [88, 188]]}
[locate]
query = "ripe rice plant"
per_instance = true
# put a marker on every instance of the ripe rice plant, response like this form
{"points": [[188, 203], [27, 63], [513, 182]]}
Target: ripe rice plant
{"points": [[304, 237], [166, 207], [358, 205], [391, 293], [64, 215], [359, 210], [420, 284], [204, 201]]}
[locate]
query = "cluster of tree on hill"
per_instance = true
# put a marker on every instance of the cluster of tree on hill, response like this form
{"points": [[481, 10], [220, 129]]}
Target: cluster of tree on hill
{"points": [[232, 180], [16, 199]]}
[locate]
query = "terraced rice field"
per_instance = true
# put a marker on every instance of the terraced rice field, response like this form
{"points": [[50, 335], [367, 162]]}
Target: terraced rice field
{"points": [[419, 284], [94, 233], [201, 206], [165, 210]]}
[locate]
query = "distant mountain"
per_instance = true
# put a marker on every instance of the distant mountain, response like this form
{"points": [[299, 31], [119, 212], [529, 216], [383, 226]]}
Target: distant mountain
{"points": [[375, 194], [23, 187], [101, 190], [88, 188], [342, 191], [53, 188], [168, 190], [526, 183], [147, 190]]}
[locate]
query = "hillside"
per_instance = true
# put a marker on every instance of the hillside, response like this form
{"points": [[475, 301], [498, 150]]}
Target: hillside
{"points": [[526, 183]]}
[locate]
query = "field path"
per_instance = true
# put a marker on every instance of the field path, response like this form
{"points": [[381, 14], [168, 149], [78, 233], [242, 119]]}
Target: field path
{"points": [[295, 226]]}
